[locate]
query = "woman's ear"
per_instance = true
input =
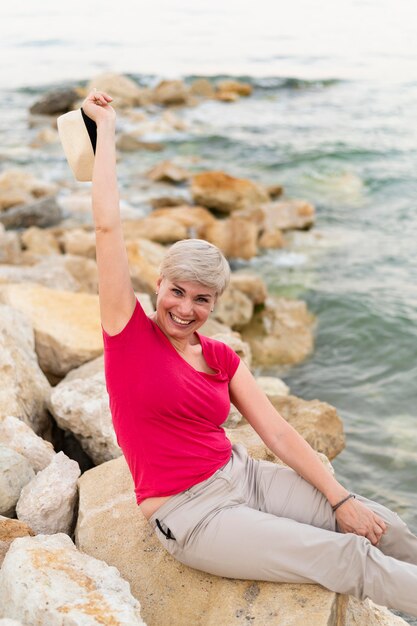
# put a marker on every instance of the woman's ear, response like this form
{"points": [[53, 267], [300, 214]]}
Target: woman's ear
{"points": [[158, 283]]}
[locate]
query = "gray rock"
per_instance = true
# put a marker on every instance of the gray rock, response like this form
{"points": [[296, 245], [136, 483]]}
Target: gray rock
{"points": [[16, 435], [15, 473], [55, 102], [47, 503], [42, 213]]}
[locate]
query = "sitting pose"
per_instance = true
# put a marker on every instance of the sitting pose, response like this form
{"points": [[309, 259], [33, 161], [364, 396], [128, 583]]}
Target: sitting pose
{"points": [[212, 506]]}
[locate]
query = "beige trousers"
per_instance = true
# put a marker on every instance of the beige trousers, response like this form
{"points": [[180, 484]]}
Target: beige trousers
{"points": [[258, 520]]}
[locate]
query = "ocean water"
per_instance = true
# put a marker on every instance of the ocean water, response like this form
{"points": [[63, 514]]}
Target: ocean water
{"points": [[332, 118]]}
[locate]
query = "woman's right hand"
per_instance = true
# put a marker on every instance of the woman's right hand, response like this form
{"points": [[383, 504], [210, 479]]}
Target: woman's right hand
{"points": [[97, 107]]}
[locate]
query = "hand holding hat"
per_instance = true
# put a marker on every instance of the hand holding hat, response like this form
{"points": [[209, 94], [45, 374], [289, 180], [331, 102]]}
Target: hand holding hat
{"points": [[78, 132]]}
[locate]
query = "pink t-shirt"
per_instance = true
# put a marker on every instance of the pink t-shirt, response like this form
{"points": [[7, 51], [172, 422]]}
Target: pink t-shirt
{"points": [[167, 415]]}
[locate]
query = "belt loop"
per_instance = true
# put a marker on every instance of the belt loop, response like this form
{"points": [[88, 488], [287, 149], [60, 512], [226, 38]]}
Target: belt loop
{"points": [[168, 535]]}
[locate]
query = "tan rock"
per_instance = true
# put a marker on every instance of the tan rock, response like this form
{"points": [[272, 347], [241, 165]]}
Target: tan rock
{"points": [[358, 613], [144, 259], [288, 215], [128, 142], [280, 334], [10, 251], [18, 436], [47, 503], [203, 88], [171, 92], [24, 389], [217, 190], [195, 218], [168, 172], [272, 386], [13, 197], [67, 325], [40, 241], [10, 529], [124, 91], [15, 473], [46, 136], [79, 241], [226, 96], [250, 284], [82, 269], [234, 308], [191, 597], [15, 179], [318, 422], [46, 580], [241, 348], [235, 86], [236, 237], [156, 228], [212, 327], [163, 202], [271, 239], [43, 273]]}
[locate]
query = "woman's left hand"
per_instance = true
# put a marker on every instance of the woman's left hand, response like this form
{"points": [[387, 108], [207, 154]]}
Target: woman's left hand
{"points": [[355, 517]]}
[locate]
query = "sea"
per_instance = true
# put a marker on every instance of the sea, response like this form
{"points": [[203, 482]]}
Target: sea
{"points": [[332, 118]]}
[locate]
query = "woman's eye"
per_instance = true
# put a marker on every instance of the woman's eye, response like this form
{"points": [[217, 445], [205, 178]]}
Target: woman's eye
{"points": [[202, 300], [177, 292]]}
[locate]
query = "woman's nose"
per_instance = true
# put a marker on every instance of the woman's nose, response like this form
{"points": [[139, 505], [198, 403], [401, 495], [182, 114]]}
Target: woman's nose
{"points": [[185, 308]]}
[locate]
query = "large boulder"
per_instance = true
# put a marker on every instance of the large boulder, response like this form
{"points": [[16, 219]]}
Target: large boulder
{"points": [[40, 241], [234, 308], [168, 172], [171, 593], [24, 388], [15, 473], [234, 86], [281, 333], [10, 529], [10, 251], [47, 503], [250, 284], [81, 406], [145, 258], [124, 91], [46, 580], [288, 215], [47, 273], [195, 218], [79, 242], [67, 325], [217, 190], [17, 435], [236, 237], [160, 229], [44, 212], [24, 186], [171, 92], [55, 102]]}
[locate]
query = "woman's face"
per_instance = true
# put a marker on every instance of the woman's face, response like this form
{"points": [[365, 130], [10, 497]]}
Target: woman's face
{"points": [[182, 306]]}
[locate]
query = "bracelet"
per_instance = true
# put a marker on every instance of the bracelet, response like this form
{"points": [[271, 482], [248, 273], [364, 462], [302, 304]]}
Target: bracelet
{"points": [[336, 506]]}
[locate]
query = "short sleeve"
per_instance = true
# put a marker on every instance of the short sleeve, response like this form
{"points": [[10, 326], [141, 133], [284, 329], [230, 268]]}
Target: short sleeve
{"points": [[232, 362], [137, 322]]}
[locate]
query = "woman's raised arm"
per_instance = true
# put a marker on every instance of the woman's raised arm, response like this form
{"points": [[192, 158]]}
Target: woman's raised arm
{"points": [[117, 298]]}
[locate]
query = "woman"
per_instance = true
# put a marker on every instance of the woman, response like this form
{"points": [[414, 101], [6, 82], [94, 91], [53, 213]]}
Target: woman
{"points": [[212, 506]]}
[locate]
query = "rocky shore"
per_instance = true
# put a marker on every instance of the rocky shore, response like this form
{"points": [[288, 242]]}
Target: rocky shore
{"points": [[73, 544]]}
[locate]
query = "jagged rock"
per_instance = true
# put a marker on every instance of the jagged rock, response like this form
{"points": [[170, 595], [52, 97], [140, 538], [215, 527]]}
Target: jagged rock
{"points": [[40, 241], [250, 284], [10, 529], [318, 422], [367, 612], [46, 580], [51, 275], [83, 271], [236, 237], [67, 325], [43, 213], [273, 386], [171, 92], [145, 258], [155, 228], [180, 594], [280, 334], [194, 218], [288, 215], [81, 405], [124, 91], [15, 473], [167, 171], [79, 242], [24, 388], [235, 86], [234, 308], [10, 251], [217, 190], [47, 503], [55, 102], [16, 435]]}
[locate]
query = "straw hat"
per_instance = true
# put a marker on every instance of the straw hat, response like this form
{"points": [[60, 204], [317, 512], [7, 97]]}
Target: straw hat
{"points": [[78, 135]]}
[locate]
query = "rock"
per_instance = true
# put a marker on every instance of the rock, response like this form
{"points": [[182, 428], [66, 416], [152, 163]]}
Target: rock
{"points": [[272, 386], [318, 422], [271, 239], [124, 91], [55, 102], [367, 612], [226, 96], [236, 237], [180, 594], [280, 334], [127, 142], [235, 86], [212, 327], [15, 473], [43, 273], [40, 241], [18, 436], [241, 348], [250, 284], [81, 405], [217, 190], [288, 215], [144, 258], [46, 136], [168, 172], [10, 251], [10, 622], [274, 191], [170, 92], [13, 197], [24, 388], [194, 218], [234, 308], [67, 325], [203, 88], [16, 179], [162, 202], [47, 503], [83, 271], [80, 242], [155, 228], [46, 580], [10, 529], [43, 213]]}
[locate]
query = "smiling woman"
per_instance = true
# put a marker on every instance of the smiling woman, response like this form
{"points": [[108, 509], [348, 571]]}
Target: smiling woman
{"points": [[170, 391]]}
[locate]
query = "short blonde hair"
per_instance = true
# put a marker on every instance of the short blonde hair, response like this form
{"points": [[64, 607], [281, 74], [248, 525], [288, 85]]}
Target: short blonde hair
{"points": [[199, 261]]}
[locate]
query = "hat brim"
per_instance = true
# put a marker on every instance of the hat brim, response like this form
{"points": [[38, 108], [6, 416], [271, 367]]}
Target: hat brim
{"points": [[78, 134]]}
